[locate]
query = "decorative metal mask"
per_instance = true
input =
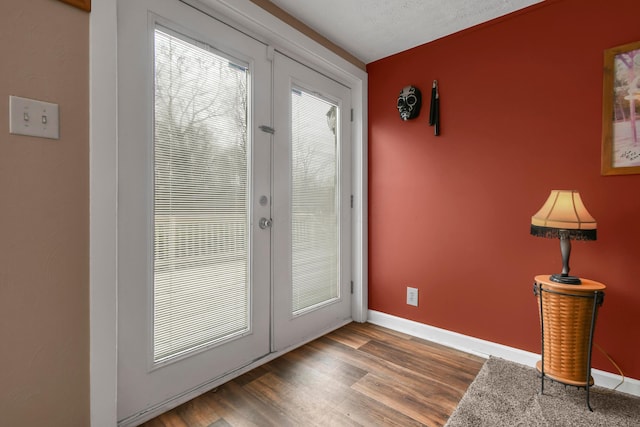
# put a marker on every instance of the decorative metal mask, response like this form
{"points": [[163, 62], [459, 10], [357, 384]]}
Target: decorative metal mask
{"points": [[409, 102]]}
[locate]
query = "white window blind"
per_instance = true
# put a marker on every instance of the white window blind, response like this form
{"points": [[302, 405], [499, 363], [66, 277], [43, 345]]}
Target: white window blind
{"points": [[315, 242], [201, 286]]}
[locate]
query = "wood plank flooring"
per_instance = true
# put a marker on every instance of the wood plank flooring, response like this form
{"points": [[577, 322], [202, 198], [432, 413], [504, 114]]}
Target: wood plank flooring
{"points": [[358, 375]]}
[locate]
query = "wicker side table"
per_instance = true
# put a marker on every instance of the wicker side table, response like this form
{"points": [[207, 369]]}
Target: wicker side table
{"points": [[567, 321]]}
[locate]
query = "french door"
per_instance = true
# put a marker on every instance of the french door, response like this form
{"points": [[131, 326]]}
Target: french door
{"points": [[233, 204], [311, 207]]}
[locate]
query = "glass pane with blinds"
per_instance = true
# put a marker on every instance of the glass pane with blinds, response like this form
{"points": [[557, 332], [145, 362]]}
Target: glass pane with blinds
{"points": [[314, 201], [201, 259]]}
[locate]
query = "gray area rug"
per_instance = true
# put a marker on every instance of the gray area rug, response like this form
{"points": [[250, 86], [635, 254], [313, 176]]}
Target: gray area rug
{"points": [[507, 394]]}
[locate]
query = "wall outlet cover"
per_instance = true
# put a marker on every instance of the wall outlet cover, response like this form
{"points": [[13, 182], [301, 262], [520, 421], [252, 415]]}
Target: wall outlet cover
{"points": [[412, 296]]}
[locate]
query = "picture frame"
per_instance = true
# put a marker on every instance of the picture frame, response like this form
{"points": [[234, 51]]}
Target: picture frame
{"points": [[81, 4], [621, 110]]}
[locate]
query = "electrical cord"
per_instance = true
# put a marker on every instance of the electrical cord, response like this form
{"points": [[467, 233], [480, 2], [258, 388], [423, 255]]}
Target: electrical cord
{"points": [[614, 364]]}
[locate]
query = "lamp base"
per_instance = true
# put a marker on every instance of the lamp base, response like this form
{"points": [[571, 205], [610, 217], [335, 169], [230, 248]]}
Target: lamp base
{"points": [[565, 279]]}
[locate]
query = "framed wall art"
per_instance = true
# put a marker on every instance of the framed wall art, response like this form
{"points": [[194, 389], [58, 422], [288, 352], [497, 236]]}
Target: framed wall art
{"points": [[621, 110]]}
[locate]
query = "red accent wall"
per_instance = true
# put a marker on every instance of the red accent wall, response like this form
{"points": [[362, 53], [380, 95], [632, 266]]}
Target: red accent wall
{"points": [[521, 114]]}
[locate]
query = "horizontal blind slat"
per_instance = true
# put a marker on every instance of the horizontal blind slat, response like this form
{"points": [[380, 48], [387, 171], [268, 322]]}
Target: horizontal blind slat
{"points": [[314, 201], [201, 286]]}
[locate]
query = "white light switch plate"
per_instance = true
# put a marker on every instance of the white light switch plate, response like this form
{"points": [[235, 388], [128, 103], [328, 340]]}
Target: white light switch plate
{"points": [[33, 118]]}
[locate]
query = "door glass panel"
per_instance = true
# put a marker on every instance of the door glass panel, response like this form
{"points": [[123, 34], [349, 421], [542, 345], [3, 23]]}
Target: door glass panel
{"points": [[314, 201], [201, 254]]}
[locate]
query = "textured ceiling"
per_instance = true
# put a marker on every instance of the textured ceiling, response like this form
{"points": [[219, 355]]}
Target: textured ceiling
{"points": [[374, 29]]}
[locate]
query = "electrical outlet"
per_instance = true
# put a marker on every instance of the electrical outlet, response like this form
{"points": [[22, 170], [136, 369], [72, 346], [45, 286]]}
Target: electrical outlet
{"points": [[412, 296]]}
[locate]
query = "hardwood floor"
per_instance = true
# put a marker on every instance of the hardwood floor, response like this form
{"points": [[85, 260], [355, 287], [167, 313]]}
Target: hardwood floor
{"points": [[359, 375]]}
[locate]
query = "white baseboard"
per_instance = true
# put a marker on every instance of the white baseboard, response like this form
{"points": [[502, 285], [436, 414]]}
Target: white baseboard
{"points": [[485, 349]]}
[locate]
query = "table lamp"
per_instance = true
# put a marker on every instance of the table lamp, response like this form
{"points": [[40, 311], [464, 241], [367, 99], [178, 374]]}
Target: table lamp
{"points": [[564, 216]]}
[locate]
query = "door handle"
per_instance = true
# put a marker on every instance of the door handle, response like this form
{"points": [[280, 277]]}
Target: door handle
{"points": [[265, 223]]}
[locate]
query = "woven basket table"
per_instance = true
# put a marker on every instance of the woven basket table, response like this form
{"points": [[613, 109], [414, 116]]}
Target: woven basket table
{"points": [[567, 321]]}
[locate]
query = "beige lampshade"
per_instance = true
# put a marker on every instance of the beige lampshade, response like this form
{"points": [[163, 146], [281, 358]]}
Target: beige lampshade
{"points": [[564, 210]]}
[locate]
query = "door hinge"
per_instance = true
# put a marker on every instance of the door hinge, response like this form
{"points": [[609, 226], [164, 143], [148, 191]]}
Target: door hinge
{"points": [[352, 114], [352, 286], [267, 129], [352, 201]]}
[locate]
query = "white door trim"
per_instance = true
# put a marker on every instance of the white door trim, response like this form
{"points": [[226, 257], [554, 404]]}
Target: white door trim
{"points": [[103, 207], [103, 175]]}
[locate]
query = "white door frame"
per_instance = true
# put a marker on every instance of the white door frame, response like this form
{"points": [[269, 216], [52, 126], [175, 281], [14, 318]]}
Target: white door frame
{"points": [[104, 168]]}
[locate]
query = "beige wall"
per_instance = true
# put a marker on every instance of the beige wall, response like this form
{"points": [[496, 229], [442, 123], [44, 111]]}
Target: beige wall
{"points": [[44, 219]]}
